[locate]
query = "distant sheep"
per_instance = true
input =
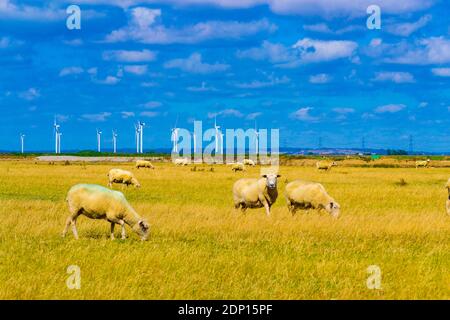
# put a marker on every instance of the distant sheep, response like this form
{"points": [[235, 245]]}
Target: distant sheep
{"points": [[123, 177], [422, 164], [181, 162], [304, 195], [97, 202], [238, 167], [144, 164], [448, 199], [256, 193], [249, 162], [325, 165]]}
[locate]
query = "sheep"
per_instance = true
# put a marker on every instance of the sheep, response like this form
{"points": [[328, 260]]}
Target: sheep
{"points": [[97, 202], [256, 193], [305, 195], [448, 199], [181, 162], [122, 176], [325, 165], [144, 164], [249, 162], [422, 164], [238, 167]]}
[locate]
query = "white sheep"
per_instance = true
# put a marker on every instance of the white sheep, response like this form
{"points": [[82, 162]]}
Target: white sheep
{"points": [[304, 195], [97, 202], [448, 199], [123, 177], [144, 164], [256, 193], [249, 162], [325, 165], [422, 164], [181, 162], [238, 167]]}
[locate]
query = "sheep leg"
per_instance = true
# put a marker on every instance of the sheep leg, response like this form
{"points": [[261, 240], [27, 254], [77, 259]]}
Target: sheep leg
{"points": [[74, 214], [112, 230], [66, 228], [124, 235], [74, 227], [266, 205]]}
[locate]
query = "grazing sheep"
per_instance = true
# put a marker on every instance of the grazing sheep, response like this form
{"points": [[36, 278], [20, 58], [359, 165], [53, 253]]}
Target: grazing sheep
{"points": [[122, 176], [181, 162], [448, 199], [249, 162], [422, 164], [325, 165], [305, 195], [97, 202], [144, 164], [238, 167], [256, 193]]}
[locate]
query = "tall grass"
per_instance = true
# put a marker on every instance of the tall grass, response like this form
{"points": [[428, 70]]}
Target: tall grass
{"points": [[200, 248]]}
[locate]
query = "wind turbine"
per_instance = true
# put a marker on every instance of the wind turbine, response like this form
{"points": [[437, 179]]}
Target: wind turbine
{"points": [[141, 137], [257, 140], [56, 128], [218, 135], [22, 138], [114, 136], [174, 137], [99, 133]]}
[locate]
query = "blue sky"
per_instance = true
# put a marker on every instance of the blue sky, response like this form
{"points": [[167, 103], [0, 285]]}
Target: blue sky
{"points": [[309, 68]]}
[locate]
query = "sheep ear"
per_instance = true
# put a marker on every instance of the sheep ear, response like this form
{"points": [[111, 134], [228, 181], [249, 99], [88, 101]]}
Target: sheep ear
{"points": [[264, 175], [278, 175], [143, 225], [331, 205]]}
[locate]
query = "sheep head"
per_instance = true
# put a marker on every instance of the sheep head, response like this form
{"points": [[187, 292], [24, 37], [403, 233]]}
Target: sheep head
{"points": [[271, 180], [142, 228]]}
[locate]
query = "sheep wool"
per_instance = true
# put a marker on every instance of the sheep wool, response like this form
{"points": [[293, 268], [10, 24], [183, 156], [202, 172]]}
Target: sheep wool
{"points": [[97, 202], [144, 164], [305, 195], [122, 176]]}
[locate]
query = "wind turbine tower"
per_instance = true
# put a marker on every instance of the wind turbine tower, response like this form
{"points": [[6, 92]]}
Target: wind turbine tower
{"points": [[218, 135], [56, 128], [174, 139], [114, 136], [99, 134], [141, 136], [257, 140], [22, 140]]}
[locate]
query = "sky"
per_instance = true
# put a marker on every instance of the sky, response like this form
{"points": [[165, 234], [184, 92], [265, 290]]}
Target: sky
{"points": [[310, 68]]}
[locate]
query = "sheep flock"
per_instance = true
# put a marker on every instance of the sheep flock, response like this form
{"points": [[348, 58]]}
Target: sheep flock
{"points": [[98, 202]]}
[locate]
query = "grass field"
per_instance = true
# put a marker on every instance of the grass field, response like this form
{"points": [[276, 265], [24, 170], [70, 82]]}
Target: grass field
{"points": [[201, 249]]}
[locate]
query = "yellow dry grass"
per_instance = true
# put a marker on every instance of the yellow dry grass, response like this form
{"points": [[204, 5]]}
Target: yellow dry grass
{"points": [[200, 248]]}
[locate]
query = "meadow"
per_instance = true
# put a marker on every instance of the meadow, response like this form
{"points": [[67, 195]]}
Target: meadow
{"points": [[201, 248]]}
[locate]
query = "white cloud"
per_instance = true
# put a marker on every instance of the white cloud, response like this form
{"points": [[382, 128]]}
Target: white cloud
{"points": [[320, 78], [272, 52], [257, 84], [202, 88], [149, 84], [10, 10], [434, 50], [323, 28], [323, 8], [70, 70], [152, 104], [96, 117], [303, 114], [136, 69], [144, 26], [344, 110], [109, 80], [311, 50], [194, 64], [423, 104], [30, 94], [127, 114], [397, 77], [130, 55], [390, 108], [253, 116], [407, 28], [226, 113], [441, 72], [149, 114]]}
